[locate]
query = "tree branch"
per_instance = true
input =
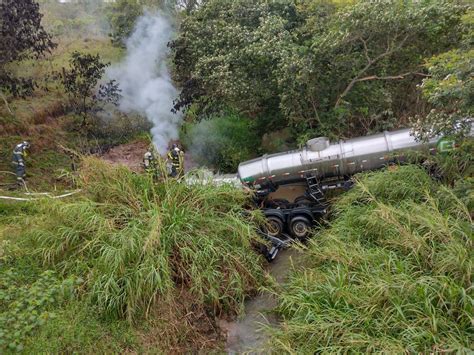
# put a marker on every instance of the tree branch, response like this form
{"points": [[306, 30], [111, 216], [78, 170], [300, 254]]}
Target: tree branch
{"points": [[366, 50], [315, 109], [389, 50], [392, 77]]}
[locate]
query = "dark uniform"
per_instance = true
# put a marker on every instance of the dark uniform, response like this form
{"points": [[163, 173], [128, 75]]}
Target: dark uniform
{"points": [[19, 154], [176, 158]]}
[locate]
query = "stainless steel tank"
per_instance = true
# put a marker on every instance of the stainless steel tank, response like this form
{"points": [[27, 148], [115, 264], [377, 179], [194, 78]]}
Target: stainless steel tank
{"points": [[325, 160]]}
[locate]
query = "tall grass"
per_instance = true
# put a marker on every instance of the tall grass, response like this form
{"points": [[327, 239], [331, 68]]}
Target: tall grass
{"points": [[136, 243], [393, 272]]}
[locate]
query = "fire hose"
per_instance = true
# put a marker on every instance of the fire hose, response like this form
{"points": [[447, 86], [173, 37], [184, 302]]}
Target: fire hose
{"points": [[44, 194]]}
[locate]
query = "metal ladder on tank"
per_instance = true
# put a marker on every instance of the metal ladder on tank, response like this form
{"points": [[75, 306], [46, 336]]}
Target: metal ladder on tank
{"points": [[315, 191]]}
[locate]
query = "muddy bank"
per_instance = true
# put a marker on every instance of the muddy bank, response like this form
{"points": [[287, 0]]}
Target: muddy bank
{"points": [[245, 334], [131, 155]]}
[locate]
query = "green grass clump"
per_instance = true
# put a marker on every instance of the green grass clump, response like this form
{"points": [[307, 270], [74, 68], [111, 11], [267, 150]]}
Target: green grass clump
{"points": [[392, 273], [136, 242]]}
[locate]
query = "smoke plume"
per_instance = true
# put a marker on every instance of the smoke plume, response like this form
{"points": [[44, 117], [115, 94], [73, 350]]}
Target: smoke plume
{"points": [[145, 80]]}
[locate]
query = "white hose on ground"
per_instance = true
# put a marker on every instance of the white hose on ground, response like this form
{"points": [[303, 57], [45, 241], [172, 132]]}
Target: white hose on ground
{"points": [[33, 199]]}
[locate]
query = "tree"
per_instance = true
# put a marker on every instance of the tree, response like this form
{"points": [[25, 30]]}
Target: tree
{"points": [[122, 16], [449, 88], [227, 52], [360, 70], [22, 37], [321, 67], [81, 80]]}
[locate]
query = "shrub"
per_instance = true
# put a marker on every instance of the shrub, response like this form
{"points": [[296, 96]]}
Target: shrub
{"points": [[112, 129], [26, 307], [222, 142]]}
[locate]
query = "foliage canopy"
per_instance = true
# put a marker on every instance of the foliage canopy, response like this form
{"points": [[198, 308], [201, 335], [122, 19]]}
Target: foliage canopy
{"points": [[23, 36], [324, 68]]}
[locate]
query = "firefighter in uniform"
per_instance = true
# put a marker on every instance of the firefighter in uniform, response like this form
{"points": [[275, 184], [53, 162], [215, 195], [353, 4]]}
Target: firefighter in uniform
{"points": [[19, 155], [150, 163], [176, 158]]}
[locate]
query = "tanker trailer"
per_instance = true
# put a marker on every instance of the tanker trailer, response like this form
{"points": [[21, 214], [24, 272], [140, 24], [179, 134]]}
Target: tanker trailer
{"points": [[290, 187]]}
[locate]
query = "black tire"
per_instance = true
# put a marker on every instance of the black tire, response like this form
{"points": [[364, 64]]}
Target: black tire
{"points": [[300, 227], [303, 201], [277, 203], [274, 226]]}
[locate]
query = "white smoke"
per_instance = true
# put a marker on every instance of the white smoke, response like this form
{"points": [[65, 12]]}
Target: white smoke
{"points": [[144, 78]]}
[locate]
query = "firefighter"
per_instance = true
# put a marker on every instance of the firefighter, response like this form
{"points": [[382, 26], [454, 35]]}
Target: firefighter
{"points": [[19, 155], [176, 158], [149, 162]]}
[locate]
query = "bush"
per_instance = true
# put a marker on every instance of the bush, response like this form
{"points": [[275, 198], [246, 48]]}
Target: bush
{"points": [[115, 128], [448, 166], [122, 16], [222, 142], [26, 307], [136, 243], [392, 274]]}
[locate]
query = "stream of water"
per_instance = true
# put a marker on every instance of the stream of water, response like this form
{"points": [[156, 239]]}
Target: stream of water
{"points": [[245, 335]]}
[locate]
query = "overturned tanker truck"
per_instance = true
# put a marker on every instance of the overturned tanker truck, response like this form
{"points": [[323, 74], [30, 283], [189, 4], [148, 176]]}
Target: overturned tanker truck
{"points": [[290, 187]]}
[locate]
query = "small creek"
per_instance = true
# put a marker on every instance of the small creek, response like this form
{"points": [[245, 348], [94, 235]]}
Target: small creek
{"points": [[244, 335]]}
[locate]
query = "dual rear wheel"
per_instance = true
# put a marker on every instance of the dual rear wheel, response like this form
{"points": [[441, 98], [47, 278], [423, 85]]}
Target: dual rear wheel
{"points": [[299, 226]]}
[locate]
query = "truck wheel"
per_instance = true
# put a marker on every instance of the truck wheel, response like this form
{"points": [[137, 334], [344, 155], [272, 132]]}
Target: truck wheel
{"points": [[300, 227], [274, 226], [277, 203], [303, 201]]}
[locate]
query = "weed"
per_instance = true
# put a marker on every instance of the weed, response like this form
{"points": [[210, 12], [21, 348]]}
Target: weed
{"points": [[76, 328]]}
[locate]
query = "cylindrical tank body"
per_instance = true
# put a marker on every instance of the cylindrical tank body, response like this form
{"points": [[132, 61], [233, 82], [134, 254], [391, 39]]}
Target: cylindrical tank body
{"points": [[325, 160]]}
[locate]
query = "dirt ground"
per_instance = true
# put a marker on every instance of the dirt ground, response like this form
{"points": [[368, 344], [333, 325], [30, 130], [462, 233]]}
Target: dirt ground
{"points": [[131, 155]]}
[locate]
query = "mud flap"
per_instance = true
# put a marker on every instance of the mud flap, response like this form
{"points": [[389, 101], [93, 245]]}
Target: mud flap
{"points": [[277, 244]]}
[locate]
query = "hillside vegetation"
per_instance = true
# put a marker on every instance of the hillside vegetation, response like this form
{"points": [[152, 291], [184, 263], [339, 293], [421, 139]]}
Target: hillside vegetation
{"points": [[135, 264], [128, 249], [392, 273], [47, 120]]}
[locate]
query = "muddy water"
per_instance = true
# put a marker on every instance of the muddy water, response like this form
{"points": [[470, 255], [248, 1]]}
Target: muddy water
{"points": [[245, 334]]}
